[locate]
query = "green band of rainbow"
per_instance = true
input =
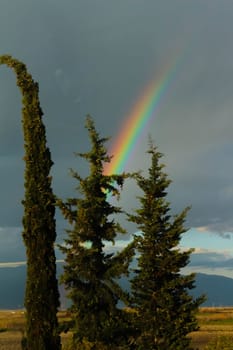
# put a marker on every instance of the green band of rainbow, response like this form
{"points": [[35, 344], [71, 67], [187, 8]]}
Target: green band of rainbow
{"points": [[141, 114]]}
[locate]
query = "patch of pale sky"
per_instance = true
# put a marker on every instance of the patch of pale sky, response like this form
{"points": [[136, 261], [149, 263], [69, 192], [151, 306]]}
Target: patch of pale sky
{"points": [[205, 239]]}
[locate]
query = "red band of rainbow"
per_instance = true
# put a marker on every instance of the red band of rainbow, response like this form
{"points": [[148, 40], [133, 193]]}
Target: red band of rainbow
{"points": [[139, 117]]}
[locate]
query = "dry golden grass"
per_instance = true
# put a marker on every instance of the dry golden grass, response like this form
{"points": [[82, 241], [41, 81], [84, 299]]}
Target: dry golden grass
{"points": [[214, 323], [12, 319], [12, 327], [10, 341]]}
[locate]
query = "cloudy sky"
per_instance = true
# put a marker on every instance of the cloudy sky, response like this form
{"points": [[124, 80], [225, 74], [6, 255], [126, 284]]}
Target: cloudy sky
{"points": [[97, 57]]}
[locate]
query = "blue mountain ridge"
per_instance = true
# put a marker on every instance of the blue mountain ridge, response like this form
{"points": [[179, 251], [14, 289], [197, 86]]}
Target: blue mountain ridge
{"points": [[218, 289]]}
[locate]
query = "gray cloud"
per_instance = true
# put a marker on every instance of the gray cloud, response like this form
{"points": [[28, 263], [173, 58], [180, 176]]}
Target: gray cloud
{"points": [[11, 247], [213, 260], [97, 57]]}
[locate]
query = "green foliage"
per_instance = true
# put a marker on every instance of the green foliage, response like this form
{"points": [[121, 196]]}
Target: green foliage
{"points": [[41, 297], [166, 312], [90, 273]]}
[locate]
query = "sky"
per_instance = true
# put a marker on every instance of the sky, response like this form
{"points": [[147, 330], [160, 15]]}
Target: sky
{"points": [[98, 57]]}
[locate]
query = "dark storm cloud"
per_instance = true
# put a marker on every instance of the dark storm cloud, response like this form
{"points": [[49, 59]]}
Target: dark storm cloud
{"points": [[96, 57], [211, 260], [11, 248]]}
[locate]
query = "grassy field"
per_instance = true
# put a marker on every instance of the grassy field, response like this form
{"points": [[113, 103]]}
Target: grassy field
{"points": [[12, 328], [215, 323]]}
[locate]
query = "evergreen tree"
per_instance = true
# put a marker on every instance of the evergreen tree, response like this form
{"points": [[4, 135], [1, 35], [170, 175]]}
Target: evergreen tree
{"points": [[166, 311], [41, 296], [90, 273]]}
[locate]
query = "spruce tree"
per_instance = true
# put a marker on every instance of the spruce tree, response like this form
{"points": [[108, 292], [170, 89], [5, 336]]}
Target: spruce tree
{"points": [[41, 296], [90, 273], [160, 292]]}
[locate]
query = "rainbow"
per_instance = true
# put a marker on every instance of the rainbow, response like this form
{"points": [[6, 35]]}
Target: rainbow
{"points": [[139, 117]]}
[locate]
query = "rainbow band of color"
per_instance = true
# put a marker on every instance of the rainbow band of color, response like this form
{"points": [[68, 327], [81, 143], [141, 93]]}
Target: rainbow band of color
{"points": [[141, 114]]}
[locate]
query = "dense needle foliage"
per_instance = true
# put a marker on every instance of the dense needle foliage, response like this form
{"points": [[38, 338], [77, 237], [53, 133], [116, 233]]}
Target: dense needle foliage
{"points": [[91, 273], [166, 311], [41, 296]]}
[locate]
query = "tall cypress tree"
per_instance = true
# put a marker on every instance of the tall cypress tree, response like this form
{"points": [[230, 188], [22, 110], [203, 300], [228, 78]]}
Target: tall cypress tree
{"points": [[41, 296], [166, 311], [90, 273]]}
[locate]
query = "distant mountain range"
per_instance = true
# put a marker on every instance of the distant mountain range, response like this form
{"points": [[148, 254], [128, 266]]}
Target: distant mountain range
{"points": [[12, 287], [218, 289]]}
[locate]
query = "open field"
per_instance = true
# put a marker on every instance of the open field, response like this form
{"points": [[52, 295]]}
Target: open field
{"points": [[12, 328], [214, 323]]}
